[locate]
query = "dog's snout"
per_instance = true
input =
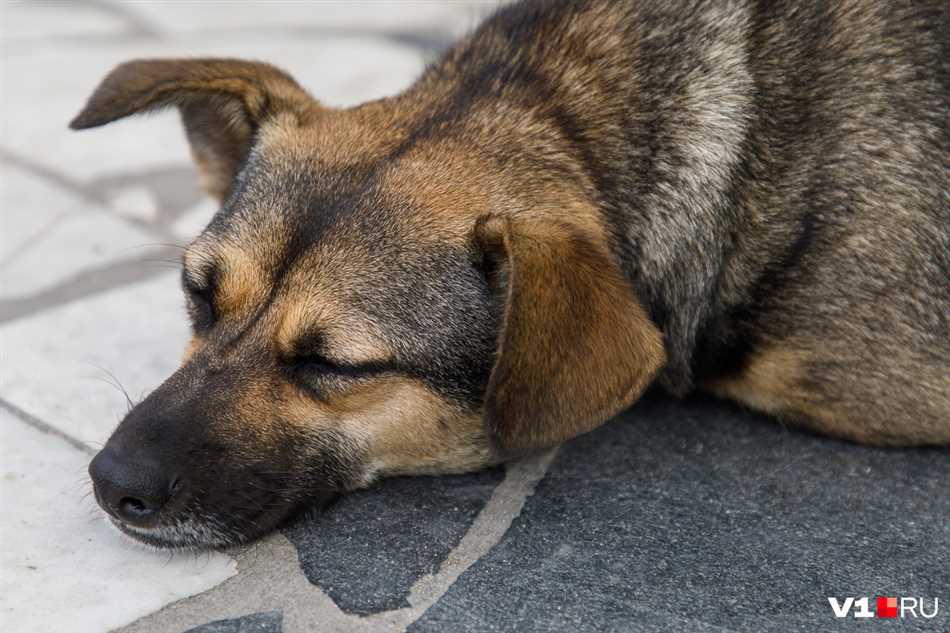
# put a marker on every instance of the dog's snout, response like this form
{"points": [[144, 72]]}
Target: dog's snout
{"points": [[133, 492]]}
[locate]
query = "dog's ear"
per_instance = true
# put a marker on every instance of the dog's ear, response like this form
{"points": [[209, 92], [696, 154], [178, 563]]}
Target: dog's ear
{"points": [[222, 103], [575, 347]]}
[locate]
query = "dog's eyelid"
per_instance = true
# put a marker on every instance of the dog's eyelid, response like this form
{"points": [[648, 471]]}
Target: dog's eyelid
{"points": [[199, 291], [309, 346], [198, 284], [311, 358], [322, 363], [313, 347]]}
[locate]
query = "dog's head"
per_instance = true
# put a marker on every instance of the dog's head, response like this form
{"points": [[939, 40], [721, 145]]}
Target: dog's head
{"points": [[378, 294]]}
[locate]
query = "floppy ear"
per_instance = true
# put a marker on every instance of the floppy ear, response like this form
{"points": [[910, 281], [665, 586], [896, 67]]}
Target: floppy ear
{"points": [[576, 346], [222, 103]]}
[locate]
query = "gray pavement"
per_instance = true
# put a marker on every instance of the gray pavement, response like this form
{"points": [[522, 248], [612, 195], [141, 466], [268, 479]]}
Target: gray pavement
{"points": [[677, 516]]}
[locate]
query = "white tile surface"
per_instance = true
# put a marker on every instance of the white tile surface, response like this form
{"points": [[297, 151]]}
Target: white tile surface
{"points": [[29, 209], [49, 235], [53, 362], [454, 16], [60, 569], [64, 568], [194, 220], [30, 20], [338, 70]]}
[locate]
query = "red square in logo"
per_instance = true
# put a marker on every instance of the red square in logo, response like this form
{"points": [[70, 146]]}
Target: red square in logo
{"points": [[886, 607]]}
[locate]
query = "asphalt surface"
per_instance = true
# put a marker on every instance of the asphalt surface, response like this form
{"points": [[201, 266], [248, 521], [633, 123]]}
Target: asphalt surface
{"points": [[677, 516]]}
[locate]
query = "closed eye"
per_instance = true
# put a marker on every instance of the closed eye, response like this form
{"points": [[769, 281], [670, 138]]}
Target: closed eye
{"points": [[200, 309], [200, 301], [320, 376], [317, 364]]}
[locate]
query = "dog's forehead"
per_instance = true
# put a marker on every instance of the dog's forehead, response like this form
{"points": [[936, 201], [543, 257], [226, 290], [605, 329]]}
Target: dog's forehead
{"points": [[344, 186], [283, 206], [331, 243]]}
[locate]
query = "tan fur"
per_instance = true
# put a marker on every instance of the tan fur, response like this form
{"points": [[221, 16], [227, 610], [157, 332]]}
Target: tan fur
{"points": [[346, 337], [772, 383], [778, 380], [242, 282], [193, 345], [410, 430], [403, 427], [560, 372]]}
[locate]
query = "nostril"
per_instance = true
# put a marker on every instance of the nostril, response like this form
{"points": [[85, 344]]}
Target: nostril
{"points": [[133, 491], [132, 508]]}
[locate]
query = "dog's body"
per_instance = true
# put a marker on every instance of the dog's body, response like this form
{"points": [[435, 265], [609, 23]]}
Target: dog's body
{"points": [[775, 180], [579, 199]]}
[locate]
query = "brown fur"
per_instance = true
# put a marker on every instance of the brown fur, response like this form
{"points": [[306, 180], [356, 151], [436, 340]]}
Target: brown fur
{"points": [[560, 372]]}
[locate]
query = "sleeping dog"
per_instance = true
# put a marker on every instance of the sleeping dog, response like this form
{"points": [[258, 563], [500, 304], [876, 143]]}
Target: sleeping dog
{"points": [[577, 201]]}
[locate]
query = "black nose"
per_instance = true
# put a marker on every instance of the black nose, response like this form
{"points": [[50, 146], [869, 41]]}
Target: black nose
{"points": [[132, 492]]}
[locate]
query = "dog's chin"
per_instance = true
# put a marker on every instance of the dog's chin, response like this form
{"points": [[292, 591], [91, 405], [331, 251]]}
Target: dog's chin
{"points": [[208, 533], [185, 536], [203, 533], [185, 526]]}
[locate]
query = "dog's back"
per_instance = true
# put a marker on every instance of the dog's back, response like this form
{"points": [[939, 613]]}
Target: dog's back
{"points": [[776, 178]]}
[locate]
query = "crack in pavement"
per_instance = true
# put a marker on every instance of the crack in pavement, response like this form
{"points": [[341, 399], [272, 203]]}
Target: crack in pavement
{"points": [[430, 42], [50, 175], [138, 25], [175, 198], [90, 281], [27, 242], [45, 427], [174, 186], [270, 578]]}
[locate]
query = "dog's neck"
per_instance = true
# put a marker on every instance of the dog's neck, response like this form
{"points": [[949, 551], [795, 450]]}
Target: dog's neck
{"points": [[601, 109]]}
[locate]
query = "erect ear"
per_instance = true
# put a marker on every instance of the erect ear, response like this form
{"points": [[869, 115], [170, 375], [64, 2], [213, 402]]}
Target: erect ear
{"points": [[576, 346], [222, 103]]}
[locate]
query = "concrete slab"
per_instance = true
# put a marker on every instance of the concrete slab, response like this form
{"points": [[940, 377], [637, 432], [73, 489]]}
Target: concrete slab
{"points": [[64, 567], [338, 68], [27, 21], [45, 242], [57, 364]]}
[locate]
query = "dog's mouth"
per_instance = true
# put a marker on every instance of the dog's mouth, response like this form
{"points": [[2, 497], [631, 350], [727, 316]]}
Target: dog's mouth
{"points": [[202, 531], [207, 502], [182, 536]]}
